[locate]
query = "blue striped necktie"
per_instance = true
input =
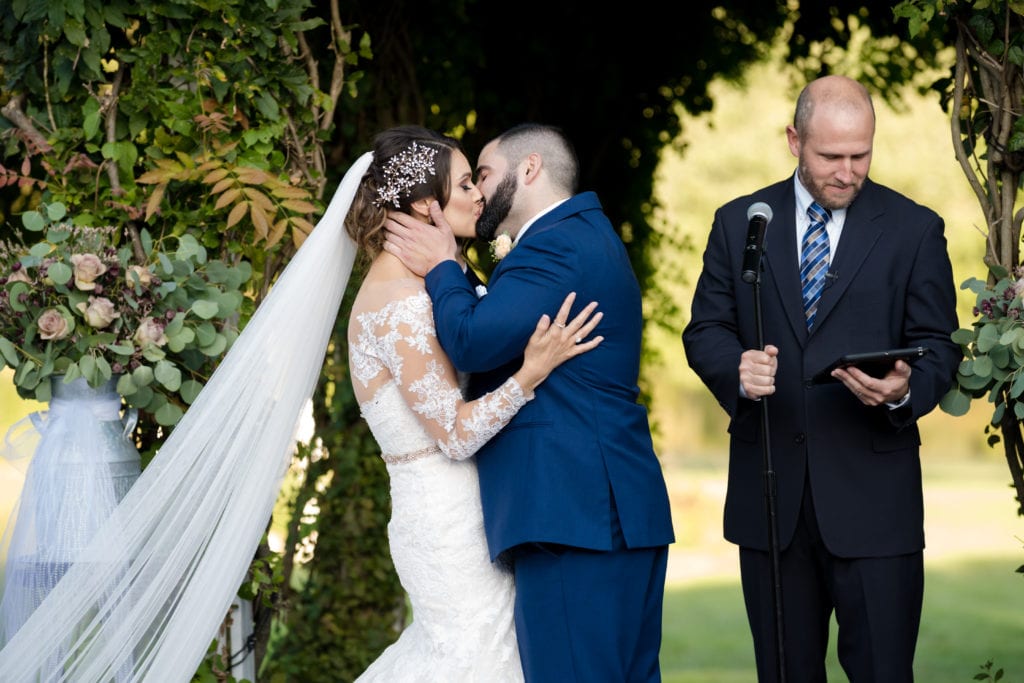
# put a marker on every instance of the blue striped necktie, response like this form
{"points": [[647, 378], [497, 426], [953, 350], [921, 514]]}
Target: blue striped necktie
{"points": [[814, 258]]}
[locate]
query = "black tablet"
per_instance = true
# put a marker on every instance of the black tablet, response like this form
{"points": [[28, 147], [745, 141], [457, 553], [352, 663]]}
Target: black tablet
{"points": [[874, 363]]}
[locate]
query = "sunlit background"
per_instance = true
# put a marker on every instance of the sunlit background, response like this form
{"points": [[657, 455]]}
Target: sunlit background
{"points": [[970, 514]]}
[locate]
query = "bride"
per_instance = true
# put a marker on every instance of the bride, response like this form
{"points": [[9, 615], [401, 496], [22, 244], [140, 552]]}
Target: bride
{"points": [[462, 604], [145, 598]]}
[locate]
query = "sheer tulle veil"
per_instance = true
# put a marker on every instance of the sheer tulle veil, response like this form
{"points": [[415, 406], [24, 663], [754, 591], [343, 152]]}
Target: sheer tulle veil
{"points": [[146, 598]]}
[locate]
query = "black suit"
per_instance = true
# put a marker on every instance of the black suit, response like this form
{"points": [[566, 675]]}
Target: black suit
{"points": [[890, 285]]}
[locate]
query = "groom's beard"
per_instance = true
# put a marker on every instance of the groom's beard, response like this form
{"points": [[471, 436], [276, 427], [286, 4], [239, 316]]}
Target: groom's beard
{"points": [[497, 208]]}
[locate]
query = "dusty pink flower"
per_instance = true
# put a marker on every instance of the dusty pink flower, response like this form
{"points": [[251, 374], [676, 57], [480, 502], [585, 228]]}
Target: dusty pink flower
{"points": [[52, 325], [99, 312], [150, 332], [141, 272], [88, 267], [19, 276]]}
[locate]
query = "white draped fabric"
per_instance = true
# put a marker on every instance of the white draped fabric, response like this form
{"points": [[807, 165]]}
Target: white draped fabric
{"points": [[144, 600]]}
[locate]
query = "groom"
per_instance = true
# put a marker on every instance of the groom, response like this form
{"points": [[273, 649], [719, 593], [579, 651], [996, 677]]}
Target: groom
{"points": [[573, 494]]}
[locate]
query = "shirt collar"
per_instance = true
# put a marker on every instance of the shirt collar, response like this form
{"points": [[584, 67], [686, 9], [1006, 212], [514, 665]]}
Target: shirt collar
{"points": [[533, 220]]}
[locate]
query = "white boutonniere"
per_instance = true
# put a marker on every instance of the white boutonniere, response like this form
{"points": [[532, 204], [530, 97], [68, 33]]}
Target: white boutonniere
{"points": [[500, 246]]}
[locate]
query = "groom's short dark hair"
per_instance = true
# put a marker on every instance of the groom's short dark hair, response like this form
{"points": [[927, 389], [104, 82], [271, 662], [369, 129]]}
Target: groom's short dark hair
{"points": [[550, 142]]}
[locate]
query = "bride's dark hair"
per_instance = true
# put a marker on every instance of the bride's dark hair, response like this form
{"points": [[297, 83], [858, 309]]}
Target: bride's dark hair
{"points": [[365, 220]]}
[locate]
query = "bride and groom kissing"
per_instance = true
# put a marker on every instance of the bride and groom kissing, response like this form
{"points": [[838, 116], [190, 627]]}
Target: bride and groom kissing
{"points": [[565, 492], [542, 557]]}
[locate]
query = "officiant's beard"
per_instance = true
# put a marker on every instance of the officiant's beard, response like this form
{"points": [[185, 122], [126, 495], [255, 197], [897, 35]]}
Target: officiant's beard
{"points": [[497, 208]]}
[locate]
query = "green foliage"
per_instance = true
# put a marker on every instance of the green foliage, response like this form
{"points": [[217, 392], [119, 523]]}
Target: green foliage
{"points": [[987, 674], [200, 129], [993, 349], [79, 304]]}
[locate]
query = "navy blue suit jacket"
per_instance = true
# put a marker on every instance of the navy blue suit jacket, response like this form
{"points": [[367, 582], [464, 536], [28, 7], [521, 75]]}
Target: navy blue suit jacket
{"points": [[584, 442], [890, 285]]}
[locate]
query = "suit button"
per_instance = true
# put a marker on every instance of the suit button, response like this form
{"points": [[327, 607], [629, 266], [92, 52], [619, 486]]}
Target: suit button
{"points": [[798, 439]]}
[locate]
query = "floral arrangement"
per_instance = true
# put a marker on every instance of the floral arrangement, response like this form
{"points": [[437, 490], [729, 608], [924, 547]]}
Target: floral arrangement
{"points": [[500, 246], [90, 302], [993, 347]]}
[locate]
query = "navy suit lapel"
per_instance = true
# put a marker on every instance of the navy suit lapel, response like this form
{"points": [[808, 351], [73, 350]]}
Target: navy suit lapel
{"points": [[860, 233]]}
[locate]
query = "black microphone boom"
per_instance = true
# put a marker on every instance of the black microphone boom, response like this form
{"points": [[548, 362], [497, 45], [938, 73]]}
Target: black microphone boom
{"points": [[758, 215]]}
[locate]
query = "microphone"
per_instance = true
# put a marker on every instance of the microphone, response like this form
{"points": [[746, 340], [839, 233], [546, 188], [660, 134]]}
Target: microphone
{"points": [[759, 215]]}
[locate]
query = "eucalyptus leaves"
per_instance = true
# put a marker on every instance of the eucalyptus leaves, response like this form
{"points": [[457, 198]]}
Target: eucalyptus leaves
{"points": [[79, 303], [993, 348]]}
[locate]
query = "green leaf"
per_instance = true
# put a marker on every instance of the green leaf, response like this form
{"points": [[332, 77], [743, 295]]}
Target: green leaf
{"points": [[60, 273], [983, 366], [14, 294], [178, 342], [1018, 410], [33, 221], [168, 414], [190, 249], [9, 352], [153, 353], [72, 372], [168, 375], [121, 349], [142, 376], [205, 309], [988, 337], [103, 368], [974, 284], [973, 382], [56, 211], [216, 348], [963, 337], [190, 390], [91, 117], [87, 365], [126, 385], [141, 398], [205, 334], [955, 403]]}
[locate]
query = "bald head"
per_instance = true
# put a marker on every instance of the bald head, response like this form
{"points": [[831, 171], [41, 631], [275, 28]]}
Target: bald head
{"points": [[832, 136], [832, 96]]}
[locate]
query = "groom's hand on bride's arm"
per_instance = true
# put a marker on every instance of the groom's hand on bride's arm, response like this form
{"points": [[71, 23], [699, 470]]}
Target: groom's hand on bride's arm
{"points": [[420, 246]]}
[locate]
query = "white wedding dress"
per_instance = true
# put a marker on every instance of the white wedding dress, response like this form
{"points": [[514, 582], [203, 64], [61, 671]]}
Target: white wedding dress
{"points": [[462, 603]]}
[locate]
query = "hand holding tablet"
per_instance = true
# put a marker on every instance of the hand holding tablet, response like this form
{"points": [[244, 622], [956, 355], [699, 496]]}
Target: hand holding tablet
{"points": [[874, 363]]}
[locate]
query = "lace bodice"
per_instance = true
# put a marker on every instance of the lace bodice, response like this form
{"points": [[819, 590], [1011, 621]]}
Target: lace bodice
{"points": [[393, 348]]}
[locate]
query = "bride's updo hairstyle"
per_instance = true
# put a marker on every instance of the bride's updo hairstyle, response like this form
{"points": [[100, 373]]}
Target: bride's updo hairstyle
{"points": [[409, 163]]}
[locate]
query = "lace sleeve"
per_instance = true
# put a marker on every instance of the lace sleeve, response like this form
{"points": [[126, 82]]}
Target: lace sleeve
{"points": [[408, 347]]}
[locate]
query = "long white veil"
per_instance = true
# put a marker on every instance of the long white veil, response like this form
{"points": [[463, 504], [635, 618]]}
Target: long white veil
{"points": [[146, 598]]}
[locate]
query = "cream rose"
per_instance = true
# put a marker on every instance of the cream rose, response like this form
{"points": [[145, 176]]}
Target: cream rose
{"points": [[52, 325], [19, 276], [87, 268], [99, 312], [150, 332], [501, 245], [141, 272]]}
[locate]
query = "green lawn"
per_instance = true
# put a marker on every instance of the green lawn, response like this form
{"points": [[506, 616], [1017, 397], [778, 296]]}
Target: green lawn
{"points": [[974, 600], [972, 613]]}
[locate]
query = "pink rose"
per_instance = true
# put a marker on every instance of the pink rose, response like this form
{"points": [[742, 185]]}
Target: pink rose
{"points": [[99, 312], [52, 325], [150, 332], [142, 273], [88, 267]]}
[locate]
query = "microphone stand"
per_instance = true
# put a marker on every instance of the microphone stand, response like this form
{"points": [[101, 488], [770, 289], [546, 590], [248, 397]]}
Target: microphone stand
{"points": [[769, 492]]}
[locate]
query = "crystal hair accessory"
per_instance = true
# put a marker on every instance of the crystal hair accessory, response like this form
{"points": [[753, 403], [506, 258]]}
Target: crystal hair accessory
{"points": [[405, 170]]}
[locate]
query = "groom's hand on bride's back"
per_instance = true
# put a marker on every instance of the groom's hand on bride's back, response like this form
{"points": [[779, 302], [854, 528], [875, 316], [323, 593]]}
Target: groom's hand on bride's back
{"points": [[420, 246]]}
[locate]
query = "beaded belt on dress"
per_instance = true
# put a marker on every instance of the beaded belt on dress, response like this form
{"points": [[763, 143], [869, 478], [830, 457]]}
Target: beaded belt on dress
{"points": [[409, 457]]}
